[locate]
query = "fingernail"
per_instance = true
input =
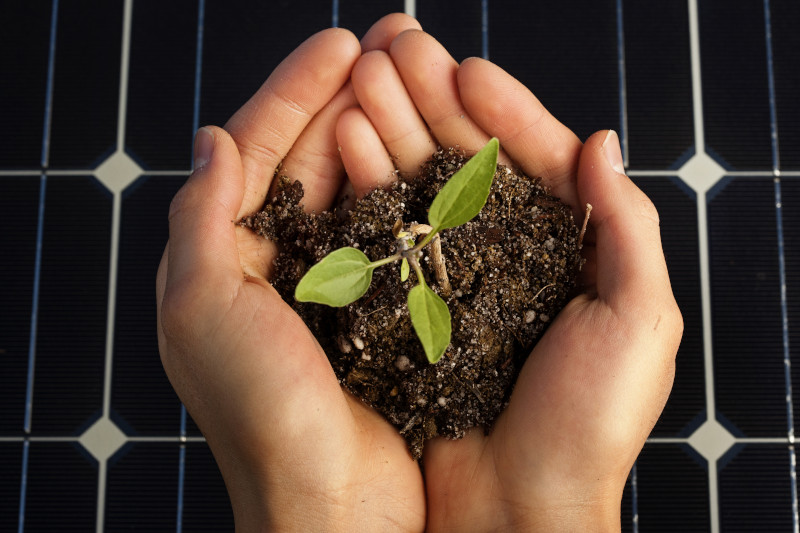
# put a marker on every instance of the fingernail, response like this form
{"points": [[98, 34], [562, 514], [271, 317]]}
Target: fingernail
{"points": [[203, 147], [612, 152]]}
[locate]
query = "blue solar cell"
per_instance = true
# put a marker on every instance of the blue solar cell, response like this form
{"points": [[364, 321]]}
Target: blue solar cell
{"points": [[159, 125], [785, 44], [61, 488], [359, 16], [246, 40], [137, 365], [754, 490], [672, 490], [658, 84], [24, 46], [73, 306], [735, 83], [455, 24], [87, 73], [206, 506], [10, 482], [677, 209], [19, 208], [142, 488], [566, 53], [745, 295]]}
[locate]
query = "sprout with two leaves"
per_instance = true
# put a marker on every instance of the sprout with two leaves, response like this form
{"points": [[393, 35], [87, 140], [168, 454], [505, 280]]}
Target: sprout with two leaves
{"points": [[344, 275]]}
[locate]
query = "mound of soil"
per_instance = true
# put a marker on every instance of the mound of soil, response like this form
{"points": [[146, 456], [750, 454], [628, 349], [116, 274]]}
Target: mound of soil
{"points": [[512, 268]]}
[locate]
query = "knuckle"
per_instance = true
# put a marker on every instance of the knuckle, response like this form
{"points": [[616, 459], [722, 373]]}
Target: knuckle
{"points": [[646, 209]]}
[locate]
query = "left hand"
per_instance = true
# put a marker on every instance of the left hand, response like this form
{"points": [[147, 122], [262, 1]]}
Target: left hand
{"points": [[296, 452]]}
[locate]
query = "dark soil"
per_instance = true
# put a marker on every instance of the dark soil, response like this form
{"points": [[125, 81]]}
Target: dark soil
{"points": [[512, 268]]}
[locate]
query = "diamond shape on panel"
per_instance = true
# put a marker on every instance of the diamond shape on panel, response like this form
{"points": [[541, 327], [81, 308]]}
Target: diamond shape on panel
{"points": [[711, 440], [102, 439], [701, 172], [118, 171]]}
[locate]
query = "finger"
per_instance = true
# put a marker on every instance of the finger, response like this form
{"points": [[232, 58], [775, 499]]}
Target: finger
{"points": [[366, 160], [202, 240], [530, 135], [429, 73], [386, 102], [630, 264], [314, 159], [383, 32], [267, 126]]}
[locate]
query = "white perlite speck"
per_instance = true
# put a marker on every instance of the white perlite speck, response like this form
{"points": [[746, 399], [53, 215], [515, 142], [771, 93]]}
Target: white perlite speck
{"points": [[402, 363], [358, 343]]}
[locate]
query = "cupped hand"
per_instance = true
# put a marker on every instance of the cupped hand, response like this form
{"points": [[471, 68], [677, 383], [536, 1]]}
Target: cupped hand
{"points": [[592, 389], [295, 451]]}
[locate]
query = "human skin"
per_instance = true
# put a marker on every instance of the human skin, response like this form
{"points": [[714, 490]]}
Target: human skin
{"points": [[299, 453]]}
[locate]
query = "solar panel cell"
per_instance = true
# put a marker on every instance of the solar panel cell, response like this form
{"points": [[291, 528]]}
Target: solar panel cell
{"points": [[746, 305], [161, 84], [672, 490], [566, 53], [137, 365], [24, 40], [87, 75], [19, 207], [73, 300], [658, 84], [677, 210], [61, 488], [456, 24], [755, 491]]}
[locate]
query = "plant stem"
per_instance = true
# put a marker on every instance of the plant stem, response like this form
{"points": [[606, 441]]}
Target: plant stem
{"points": [[436, 254], [585, 223], [385, 261]]}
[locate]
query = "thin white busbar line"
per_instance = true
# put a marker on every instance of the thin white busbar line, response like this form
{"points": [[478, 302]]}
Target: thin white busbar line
{"points": [[787, 361], [623, 85], [127, 19], [705, 272], [410, 8], [485, 29], [124, 69]]}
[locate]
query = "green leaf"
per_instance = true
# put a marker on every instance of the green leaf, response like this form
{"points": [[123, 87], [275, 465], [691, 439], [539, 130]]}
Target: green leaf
{"points": [[405, 270], [464, 194], [431, 320], [342, 277]]}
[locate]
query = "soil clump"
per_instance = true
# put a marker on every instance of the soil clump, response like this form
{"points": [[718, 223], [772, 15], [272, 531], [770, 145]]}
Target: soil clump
{"points": [[511, 268]]}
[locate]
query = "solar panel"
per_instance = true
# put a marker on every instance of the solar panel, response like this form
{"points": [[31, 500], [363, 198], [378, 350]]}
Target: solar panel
{"points": [[99, 102]]}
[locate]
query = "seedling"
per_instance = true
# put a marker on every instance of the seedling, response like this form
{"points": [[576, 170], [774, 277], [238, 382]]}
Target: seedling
{"points": [[344, 275]]}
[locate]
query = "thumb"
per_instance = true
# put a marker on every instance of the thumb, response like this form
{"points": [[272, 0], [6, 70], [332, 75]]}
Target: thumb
{"points": [[630, 264], [202, 247]]}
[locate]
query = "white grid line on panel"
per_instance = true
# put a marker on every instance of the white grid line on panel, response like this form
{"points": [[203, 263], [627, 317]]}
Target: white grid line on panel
{"points": [[102, 469], [776, 164], [623, 88], [485, 29], [705, 272], [410, 8], [44, 161]]}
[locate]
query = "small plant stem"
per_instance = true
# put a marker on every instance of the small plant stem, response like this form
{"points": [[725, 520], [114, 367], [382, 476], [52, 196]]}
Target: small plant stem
{"points": [[436, 255], [585, 223], [542, 290], [417, 270], [385, 261]]}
